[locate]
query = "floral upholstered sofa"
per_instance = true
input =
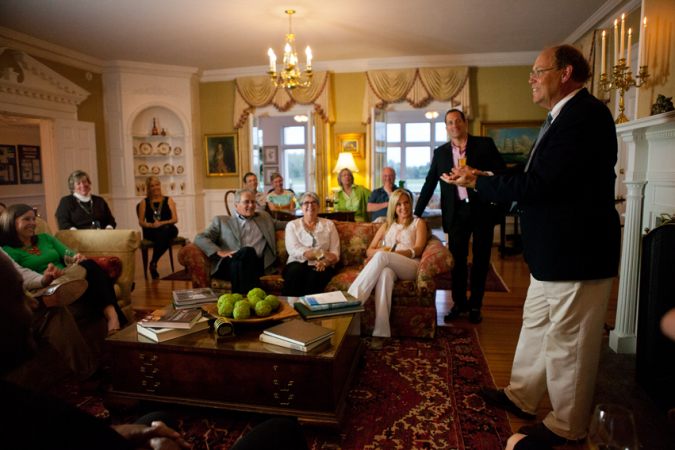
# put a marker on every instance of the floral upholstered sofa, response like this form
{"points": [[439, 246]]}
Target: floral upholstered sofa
{"points": [[413, 305]]}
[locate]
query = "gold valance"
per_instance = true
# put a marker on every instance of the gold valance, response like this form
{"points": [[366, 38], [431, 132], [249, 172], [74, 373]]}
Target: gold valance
{"points": [[259, 91], [418, 87]]}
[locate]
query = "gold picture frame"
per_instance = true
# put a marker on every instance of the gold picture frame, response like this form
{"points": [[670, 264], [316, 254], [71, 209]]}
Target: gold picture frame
{"points": [[221, 155], [353, 143], [514, 139]]}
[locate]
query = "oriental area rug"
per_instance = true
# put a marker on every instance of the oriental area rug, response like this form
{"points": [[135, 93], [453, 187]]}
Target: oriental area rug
{"points": [[412, 394], [493, 281]]}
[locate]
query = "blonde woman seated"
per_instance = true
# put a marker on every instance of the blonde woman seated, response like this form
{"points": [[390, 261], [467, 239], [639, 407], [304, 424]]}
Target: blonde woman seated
{"points": [[313, 246], [409, 235], [157, 216], [280, 198]]}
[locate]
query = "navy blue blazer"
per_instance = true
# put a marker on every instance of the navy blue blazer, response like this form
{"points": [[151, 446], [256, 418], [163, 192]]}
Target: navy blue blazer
{"points": [[482, 154], [570, 226]]}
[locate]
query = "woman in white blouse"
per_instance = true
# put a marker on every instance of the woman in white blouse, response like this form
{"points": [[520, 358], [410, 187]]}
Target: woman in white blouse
{"points": [[313, 246], [409, 236]]}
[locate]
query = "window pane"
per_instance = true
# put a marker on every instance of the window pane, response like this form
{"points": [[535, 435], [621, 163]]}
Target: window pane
{"points": [[441, 132], [393, 132], [394, 159], [255, 136], [294, 135], [417, 164], [418, 132], [294, 169]]}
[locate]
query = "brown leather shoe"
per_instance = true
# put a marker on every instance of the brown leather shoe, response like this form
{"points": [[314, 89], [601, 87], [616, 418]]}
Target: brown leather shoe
{"points": [[541, 432], [62, 294]]}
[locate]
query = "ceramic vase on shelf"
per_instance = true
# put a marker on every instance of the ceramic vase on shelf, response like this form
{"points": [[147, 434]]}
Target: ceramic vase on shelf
{"points": [[155, 132]]}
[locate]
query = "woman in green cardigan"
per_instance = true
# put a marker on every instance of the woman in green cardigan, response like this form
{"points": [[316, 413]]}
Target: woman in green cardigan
{"points": [[36, 252], [353, 197]]}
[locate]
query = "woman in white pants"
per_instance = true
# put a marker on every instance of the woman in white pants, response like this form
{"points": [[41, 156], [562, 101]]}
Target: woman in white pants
{"points": [[409, 235]]}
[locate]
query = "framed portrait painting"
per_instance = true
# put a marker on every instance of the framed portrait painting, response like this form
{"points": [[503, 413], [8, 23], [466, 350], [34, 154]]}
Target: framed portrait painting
{"points": [[514, 139], [270, 154], [267, 173], [221, 155], [352, 143]]}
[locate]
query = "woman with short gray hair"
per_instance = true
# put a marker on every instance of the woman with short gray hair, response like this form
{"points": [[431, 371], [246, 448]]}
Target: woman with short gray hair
{"points": [[81, 210], [313, 247]]}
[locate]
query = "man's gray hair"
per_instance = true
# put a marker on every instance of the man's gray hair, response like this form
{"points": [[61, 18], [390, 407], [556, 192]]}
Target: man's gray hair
{"points": [[309, 194], [238, 192]]}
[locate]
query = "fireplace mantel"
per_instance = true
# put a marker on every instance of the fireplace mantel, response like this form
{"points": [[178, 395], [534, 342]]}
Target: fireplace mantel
{"points": [[647, 147]]}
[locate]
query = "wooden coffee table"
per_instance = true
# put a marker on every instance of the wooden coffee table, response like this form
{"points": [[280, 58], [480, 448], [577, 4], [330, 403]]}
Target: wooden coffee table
{"points": [[242, 373]]}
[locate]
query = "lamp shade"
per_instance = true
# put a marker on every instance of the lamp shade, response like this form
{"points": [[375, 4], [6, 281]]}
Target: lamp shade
{"points": [[345, 161]]}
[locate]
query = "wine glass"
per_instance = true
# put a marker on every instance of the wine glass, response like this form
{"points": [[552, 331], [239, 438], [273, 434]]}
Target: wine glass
{"points": [[612, 428], [157, 215], [383, 244], [69, 257], [318, 253], [96, 225]]}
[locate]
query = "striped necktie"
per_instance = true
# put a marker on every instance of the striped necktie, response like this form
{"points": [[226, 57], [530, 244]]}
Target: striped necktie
{"points": [[544, 128]]}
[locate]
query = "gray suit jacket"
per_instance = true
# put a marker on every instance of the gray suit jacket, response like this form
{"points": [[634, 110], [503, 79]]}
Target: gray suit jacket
{"points": [[223, 234]]}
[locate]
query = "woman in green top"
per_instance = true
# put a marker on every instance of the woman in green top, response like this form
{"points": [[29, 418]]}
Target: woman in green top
{"points": [[353, 197], [36, 252], [280, 198]]}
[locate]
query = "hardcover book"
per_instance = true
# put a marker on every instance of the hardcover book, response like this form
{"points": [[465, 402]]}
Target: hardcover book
{"points": [[306, 313], [166, 334], [172, 318], [299, 332], [328, 300], [287, 344], [191, 296]]}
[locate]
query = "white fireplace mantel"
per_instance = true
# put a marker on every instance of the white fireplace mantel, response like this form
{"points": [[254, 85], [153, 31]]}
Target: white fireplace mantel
{"points": [[648, 146]]}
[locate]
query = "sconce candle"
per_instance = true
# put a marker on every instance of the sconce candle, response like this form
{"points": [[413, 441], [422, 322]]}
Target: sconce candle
{"points": [[623, 35], [643, 39], [629, 44], [603, 52], [616, 42]]}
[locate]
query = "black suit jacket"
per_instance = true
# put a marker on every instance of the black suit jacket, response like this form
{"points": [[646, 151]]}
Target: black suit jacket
{"points": [[571, 229], [482, 154]]}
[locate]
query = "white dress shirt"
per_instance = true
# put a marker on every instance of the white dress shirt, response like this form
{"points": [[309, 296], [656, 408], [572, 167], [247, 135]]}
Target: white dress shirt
{"points": [[299, 240]]}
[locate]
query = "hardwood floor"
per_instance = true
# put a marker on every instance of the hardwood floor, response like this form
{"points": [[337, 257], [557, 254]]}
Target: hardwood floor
{"points": [[498, 334]]}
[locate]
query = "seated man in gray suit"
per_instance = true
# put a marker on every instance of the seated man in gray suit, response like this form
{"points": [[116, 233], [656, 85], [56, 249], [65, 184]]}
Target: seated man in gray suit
{"points": [[242, 247]]}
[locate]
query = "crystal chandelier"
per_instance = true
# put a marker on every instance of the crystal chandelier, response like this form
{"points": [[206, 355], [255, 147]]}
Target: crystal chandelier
{"points": [[290, 77]]}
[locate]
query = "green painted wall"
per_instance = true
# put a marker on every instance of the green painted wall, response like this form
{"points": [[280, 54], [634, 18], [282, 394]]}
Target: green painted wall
{"points": [[90, 110], [216, 107]]}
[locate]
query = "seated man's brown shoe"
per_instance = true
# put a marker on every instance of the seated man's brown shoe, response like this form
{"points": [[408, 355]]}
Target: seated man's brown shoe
{"points": [[541, 432], [499, 399], [62, 294]]}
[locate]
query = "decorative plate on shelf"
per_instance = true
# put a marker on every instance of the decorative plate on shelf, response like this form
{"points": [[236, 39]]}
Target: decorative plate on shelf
{"points": [[145, 148], [135, 151], [178, 150], [283, 312], [180, 170], [142, 169], [156, 170], [168, 169], [164, 148]]}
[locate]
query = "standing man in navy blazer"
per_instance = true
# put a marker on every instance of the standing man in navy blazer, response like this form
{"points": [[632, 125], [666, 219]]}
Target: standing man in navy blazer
{"points": [[242, 248], [464, 212], [571, 239]]}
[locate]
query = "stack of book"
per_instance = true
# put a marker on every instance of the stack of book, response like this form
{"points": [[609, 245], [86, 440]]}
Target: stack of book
{"points": [[193, 298], [163, 325], [326, 305], [297, 335]]}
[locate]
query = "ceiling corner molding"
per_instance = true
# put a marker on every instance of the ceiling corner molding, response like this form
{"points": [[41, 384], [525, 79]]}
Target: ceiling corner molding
{"points": [[398, 62], [43, 49], [603, 17], [143, 68]]}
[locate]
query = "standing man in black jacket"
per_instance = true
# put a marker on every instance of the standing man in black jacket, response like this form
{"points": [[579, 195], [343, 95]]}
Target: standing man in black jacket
{"points": [[464, 213], [571, 238]]}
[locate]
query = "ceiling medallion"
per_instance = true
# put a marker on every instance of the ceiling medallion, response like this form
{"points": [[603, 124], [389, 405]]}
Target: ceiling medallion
{"points": [[290, 77]]}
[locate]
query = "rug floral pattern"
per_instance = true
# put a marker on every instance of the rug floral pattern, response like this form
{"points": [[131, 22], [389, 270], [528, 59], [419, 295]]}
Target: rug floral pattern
{"points": [[413, 394]]}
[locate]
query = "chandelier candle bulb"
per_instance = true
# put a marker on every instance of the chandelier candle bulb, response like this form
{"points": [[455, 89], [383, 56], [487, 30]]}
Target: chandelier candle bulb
{"points": [[629, 44], [623, 35], [616, 42], [603, 52], [273, 60]]}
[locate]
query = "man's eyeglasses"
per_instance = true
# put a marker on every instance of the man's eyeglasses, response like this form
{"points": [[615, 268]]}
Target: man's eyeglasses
{"points": [[537, 72], [309, 203]]}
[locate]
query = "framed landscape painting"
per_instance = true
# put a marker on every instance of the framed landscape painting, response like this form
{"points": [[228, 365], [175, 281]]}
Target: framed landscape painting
{"points": [[221, 155], [351, 143], [514, 139]]}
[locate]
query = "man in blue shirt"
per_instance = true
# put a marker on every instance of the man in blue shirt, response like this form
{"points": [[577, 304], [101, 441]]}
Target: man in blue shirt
{"points": [[379, 198]]}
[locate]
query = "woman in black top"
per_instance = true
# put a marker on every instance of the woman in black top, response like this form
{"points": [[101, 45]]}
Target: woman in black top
{"points": [[81, 210], [157, 216]]}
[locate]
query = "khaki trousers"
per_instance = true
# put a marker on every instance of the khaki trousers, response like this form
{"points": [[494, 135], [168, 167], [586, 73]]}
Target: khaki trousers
{"points": [[559, 350]]}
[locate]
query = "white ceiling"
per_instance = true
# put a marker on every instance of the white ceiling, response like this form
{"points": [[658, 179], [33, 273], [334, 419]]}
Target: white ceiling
{"points": [[226, 34]]}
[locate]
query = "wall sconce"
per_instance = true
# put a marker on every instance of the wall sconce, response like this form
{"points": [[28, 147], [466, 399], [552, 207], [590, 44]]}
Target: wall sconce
{"points": [[301, 118], [345, 161], [431, 114]]}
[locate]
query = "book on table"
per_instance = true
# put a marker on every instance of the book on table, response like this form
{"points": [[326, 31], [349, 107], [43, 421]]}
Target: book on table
{"points": [[171, 318], [299, 332], [193, 296], [166, 334], [268, 339], [307, 313], [328, 300]]}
